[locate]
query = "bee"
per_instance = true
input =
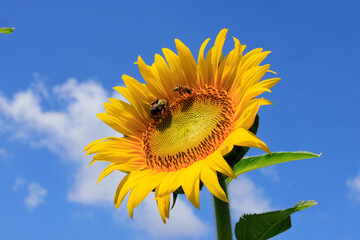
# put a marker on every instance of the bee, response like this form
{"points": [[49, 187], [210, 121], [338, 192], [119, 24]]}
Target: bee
{"points": [[182, 89], [157, 107]]}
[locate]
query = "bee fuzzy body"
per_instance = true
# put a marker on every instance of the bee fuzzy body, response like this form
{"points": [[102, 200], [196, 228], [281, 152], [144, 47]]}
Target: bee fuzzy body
{"points": [[157, 107]]}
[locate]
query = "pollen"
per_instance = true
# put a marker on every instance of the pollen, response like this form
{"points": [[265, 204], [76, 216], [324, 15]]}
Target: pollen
{"points": [[192, 127]]}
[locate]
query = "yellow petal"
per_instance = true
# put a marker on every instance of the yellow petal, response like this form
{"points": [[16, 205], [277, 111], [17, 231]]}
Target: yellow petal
{"points": [[203, 70], [118, 198], [225, 149], [121, 147], [109, 169], [125, 112], [174, 64], [93, 144], [217, 50], [250, 60], [117, 157], [247, 117], [163, 204], [210, 179], [111, 143], [194, 196], [165, 75], [190, 182], [130, 165], [92, 162], [116, 124], [272, 71], [127, 184], [211, 71], [245, 138], [171, 182], [243, 100], [217, 162], [231, 66], [253, 76], [167, 206], [142, 189], [188, 64], [126, 93], [152, 80], [142, 97], [268, 83]]}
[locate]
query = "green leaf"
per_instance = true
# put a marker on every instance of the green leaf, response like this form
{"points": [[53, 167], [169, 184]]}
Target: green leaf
{"points": [[6, 30], [267, 225], [251, 163]]}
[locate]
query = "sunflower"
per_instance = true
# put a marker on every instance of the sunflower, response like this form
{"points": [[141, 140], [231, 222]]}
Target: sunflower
{"points": [[178, 126]]}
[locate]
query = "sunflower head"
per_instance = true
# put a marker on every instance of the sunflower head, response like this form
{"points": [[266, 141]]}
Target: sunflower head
{"points": [[178, 126]]}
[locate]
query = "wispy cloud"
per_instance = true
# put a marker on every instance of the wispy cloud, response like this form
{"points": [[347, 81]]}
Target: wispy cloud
{"points": [[67, 131], [353, 184], [36, 195], [4, 155], [246, 197], [19, 183], [270, 172], [183, 222]]}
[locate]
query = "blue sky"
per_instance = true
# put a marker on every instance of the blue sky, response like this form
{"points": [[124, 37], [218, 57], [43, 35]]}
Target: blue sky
{"points": [[61, 62]]}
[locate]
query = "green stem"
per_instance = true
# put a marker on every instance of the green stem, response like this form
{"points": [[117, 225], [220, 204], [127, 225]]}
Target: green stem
{"points": [[222, 213]]}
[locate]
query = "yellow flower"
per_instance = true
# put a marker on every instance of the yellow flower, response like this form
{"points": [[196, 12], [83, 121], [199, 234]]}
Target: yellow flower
{"points": [[178, 138]]}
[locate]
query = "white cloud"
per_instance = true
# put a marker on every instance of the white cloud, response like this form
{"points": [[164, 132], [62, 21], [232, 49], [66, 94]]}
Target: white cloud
{"points": [[85, 190], [245, 197], [36, 195], [270, 172], [39, 85], [2, 152], [35, 192], [354, 186], [4, 155], [67, 131], [183, 222], [19, 182]]}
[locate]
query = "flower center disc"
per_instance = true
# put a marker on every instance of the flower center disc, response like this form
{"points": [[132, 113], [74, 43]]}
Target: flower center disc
{"points": [[192, 127]]}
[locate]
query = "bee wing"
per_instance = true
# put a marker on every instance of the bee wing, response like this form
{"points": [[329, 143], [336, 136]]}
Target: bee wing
{"points": [[156, 101]]}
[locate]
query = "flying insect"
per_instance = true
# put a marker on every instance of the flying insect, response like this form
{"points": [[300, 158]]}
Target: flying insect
{"points": [[182, 89]]}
